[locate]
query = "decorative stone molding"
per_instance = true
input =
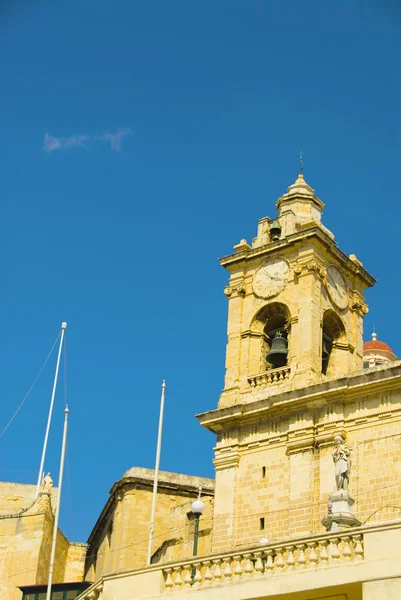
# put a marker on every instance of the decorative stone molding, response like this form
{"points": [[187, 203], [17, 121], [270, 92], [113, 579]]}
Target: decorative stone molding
{"points": [[227, 460], [297, 269], [237, 289], [301, 445], [358, 305], [42, 504], [269, 377], [340, 514], [242, 246], [355, 260], [250, 333], [312, 265], [344, 346], [240, 289]]}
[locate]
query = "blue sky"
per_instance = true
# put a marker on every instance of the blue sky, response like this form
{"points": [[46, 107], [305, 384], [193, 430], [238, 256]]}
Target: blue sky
{"points": [[140, 141]]}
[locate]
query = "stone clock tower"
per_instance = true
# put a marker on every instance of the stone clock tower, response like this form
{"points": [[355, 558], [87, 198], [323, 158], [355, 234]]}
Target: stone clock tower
{"points": [[294, 283], [294, 380]]}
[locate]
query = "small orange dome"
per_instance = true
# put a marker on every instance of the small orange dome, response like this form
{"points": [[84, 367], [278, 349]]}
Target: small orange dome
{"points": [[377, 351]]}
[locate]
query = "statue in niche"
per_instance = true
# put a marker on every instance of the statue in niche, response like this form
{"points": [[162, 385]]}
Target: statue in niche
{"points": [[342, 461]]}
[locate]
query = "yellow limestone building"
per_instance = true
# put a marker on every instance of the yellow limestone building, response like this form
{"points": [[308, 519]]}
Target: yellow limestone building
{"points": [[307, 495]]}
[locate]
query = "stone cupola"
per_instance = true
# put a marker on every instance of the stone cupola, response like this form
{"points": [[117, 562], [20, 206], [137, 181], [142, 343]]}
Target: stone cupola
{"points": [[300, 208]]}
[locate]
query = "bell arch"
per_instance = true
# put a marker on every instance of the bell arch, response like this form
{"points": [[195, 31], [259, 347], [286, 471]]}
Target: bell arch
{"points": [[333, 336], [270, 322]]}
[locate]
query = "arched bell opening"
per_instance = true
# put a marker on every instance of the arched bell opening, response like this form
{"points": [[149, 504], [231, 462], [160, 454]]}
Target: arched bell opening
{"points": [[273, 324], [332, 331]]}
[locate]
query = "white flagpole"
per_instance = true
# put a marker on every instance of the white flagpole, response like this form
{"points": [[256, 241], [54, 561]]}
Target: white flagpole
{"points": [[42, 461], [55, 526], [154, 497]]}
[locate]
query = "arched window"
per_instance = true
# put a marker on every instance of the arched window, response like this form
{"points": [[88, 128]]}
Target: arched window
{"points": [[333, 330], [273, 323]]}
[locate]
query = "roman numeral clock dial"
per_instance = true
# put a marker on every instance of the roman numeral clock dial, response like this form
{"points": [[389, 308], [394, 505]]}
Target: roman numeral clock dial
{"points": [[270, 279], [336, 287]]}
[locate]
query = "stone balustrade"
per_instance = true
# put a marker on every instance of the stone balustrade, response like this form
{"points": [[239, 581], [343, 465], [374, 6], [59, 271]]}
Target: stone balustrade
{"points": [[271, 376], [318, 552]]}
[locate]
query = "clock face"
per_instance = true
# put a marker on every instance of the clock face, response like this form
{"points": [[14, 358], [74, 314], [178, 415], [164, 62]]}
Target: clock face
{"points": [[336, 287], [271, 278]]}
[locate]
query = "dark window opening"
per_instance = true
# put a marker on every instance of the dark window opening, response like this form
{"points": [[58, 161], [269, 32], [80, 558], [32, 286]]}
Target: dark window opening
{"points": [[327, 345]]}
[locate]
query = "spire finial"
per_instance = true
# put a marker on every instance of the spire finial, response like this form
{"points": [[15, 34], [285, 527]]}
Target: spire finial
{"points": [[374, 335], [301, 162]]}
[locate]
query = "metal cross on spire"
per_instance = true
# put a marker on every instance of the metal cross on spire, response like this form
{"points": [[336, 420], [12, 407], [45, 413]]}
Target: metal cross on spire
{"points": [[301, 162]]}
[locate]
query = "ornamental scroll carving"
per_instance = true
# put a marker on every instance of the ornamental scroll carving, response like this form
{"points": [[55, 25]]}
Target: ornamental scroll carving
{"points": [[313, 265], [235, 290], [358, 305]]}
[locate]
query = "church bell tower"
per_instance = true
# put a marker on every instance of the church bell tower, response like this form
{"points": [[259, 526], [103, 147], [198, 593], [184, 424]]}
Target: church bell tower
{"points": [[296, 396], [295, 304]]}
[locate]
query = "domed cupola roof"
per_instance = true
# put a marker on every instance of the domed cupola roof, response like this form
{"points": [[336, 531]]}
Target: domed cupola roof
{"points": [[376, 352]]}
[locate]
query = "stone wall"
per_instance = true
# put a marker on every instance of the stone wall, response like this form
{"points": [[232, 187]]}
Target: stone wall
{"points": [[274, 477], [17, 496], [119, 539], [25, 544]]}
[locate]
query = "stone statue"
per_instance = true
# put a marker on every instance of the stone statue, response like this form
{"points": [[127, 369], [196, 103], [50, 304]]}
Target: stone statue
{"points": [[47, 483], [340, 511], [342, 461]]}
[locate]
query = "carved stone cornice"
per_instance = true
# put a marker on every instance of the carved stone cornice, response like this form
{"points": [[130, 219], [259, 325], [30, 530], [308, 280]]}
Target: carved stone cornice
{"points": [[325, 433], [344, 346], [313, 235], [279, 402], [226, 458], [312, 266], [250, 333], [358, 305], [315, 266], [237, 289], [301, 440]]}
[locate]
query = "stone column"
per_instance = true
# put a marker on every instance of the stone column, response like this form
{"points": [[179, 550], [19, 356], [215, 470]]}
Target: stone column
{"points": [[225, 491]]}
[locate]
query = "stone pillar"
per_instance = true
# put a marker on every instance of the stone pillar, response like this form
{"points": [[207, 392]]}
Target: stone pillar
{"points": [[307, 355], [225, 491], [233, 348]]}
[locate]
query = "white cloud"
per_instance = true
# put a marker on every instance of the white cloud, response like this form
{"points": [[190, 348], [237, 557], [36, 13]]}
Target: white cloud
{"points": [[116, 139], [76, 140], [52, 143]]}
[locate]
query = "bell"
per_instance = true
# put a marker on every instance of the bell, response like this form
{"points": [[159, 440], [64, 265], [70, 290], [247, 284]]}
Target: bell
{"points": [[278, 351], [275, 231], [325, 351]]}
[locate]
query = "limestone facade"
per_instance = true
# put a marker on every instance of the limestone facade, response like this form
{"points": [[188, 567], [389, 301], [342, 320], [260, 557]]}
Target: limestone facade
{"points": [[119, 539], [25, 541], [274, 467]]}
